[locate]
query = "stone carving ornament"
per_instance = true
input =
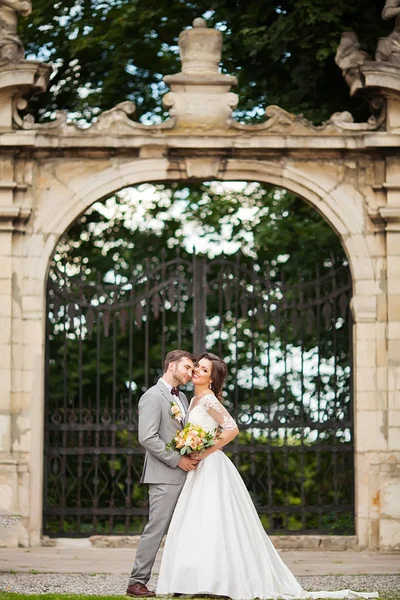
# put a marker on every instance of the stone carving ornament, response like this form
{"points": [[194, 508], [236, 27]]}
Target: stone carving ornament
{"points": [[391, 9], [28, 121], [11, 48], [22, 7], [349, 56], [388, 48], [200, 99], [282, 122]]}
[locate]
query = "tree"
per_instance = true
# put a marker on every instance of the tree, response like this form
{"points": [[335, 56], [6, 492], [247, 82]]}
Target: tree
{"points": [[281, 51]]}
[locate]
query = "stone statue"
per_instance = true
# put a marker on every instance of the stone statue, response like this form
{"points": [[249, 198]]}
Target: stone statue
{"points": [[11, 48], [23, 7], [349, 55], [388, 48], [391, 9]]}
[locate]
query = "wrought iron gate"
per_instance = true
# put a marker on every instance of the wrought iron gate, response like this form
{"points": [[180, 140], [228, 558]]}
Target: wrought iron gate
{"points": [[288, 348]]}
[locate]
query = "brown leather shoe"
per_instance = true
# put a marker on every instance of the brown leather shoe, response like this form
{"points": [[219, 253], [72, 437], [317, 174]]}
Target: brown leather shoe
{"points": [[139, 589]]}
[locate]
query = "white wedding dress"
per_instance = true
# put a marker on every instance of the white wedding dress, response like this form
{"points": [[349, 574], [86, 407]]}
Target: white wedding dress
{"points": [[216, 544]]}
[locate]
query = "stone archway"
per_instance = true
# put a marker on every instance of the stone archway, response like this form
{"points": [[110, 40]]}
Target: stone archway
{"points": [[341, 207], [44, 239], [347, 171]]}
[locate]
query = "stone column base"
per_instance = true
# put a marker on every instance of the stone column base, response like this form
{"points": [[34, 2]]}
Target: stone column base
{"points": [[9, 531], [14, 502]]}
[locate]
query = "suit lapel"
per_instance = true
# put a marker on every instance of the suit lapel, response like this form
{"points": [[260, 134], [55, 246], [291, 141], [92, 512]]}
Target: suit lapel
{"points": [[184, 401], [186, 420], [165, 394], [169, 398], [185, 404]]}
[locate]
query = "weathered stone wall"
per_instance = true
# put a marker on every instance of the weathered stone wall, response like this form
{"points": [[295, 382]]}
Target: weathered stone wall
{"points": [[345, 190], [50, 174]]}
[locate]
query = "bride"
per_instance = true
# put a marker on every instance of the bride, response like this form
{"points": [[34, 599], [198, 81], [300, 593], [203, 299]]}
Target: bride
{"points": [[216, 544]]}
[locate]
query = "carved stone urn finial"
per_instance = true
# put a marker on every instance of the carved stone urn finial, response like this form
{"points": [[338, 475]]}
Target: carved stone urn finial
{"points": [[200, 96], [200, 48]]}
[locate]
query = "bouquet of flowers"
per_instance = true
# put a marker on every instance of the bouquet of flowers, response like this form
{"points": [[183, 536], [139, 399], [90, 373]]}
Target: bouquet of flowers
{"points": [[192, 438]]}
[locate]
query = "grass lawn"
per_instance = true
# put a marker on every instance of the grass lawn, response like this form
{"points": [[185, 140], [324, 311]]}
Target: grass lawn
{"points": [[393, 595]]}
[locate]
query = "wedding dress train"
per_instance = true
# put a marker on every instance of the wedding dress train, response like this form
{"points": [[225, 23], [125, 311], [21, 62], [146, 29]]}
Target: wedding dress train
{"points": [[216, 544]]}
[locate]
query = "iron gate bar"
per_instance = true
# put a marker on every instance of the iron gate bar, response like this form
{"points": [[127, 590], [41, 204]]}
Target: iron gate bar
{"points": [[199, 304]]}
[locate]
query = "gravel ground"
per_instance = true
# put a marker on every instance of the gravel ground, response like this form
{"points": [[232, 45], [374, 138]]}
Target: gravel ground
{"points": [[107, 585]]}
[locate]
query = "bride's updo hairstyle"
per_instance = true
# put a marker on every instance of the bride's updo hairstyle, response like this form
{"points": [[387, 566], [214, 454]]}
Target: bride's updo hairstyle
{"points": [[219, 371]]}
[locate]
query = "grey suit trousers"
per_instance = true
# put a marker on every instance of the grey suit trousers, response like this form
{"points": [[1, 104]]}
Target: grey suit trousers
{"points": [[162, 501]]}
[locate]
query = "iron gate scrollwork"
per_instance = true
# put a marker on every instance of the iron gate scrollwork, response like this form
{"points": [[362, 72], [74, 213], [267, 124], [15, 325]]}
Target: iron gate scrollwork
{"points": [[288, 349]]}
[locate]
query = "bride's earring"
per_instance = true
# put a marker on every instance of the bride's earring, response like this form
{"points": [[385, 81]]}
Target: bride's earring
{"points": [[210, 385]]}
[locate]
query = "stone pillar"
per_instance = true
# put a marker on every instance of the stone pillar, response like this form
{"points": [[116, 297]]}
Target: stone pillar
{"points": [[14, 426], [377, 393], [389, 531], [19, 79], [28, 427], [9, 517], [369, 423]]}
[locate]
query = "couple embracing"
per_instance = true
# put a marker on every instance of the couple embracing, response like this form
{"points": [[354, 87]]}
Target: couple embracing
{"points": [[216, 544]]}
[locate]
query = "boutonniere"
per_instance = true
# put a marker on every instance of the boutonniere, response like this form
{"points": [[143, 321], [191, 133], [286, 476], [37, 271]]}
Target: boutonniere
{"points": [[175, 412]]}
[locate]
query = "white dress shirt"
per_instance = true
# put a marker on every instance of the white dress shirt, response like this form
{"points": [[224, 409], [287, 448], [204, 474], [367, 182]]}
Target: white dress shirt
{"points": [[174, 398]]}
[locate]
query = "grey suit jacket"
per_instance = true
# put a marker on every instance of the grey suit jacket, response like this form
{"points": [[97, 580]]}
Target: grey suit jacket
{"points": [[156, 429]]}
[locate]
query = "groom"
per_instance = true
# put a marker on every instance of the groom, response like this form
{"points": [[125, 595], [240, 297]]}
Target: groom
{"points": [[164, 470]]}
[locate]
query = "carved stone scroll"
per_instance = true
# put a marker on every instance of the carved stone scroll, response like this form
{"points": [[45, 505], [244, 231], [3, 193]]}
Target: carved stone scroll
{"points": [[28, 121], [284, 123]]}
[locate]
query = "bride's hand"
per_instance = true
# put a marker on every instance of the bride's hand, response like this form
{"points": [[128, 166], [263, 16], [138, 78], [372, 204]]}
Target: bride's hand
{"points": [[200, 455]]}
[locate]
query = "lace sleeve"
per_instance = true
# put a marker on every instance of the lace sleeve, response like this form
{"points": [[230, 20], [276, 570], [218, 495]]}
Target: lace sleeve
{"points": [[218, 412]]}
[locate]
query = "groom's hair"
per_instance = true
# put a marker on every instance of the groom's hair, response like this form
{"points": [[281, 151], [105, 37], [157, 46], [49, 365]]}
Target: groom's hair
{"points": [[176, 356]]}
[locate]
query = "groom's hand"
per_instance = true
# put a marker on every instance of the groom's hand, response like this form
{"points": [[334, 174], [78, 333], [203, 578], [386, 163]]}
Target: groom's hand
{"points": [[187, 464]]}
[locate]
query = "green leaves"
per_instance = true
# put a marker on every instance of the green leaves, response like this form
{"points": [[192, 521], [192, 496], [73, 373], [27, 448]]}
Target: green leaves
{"points": [[258, 220], [282, 52]]}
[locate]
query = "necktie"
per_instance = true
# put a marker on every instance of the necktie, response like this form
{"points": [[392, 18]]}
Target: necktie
{"points": [[175, 391]]}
